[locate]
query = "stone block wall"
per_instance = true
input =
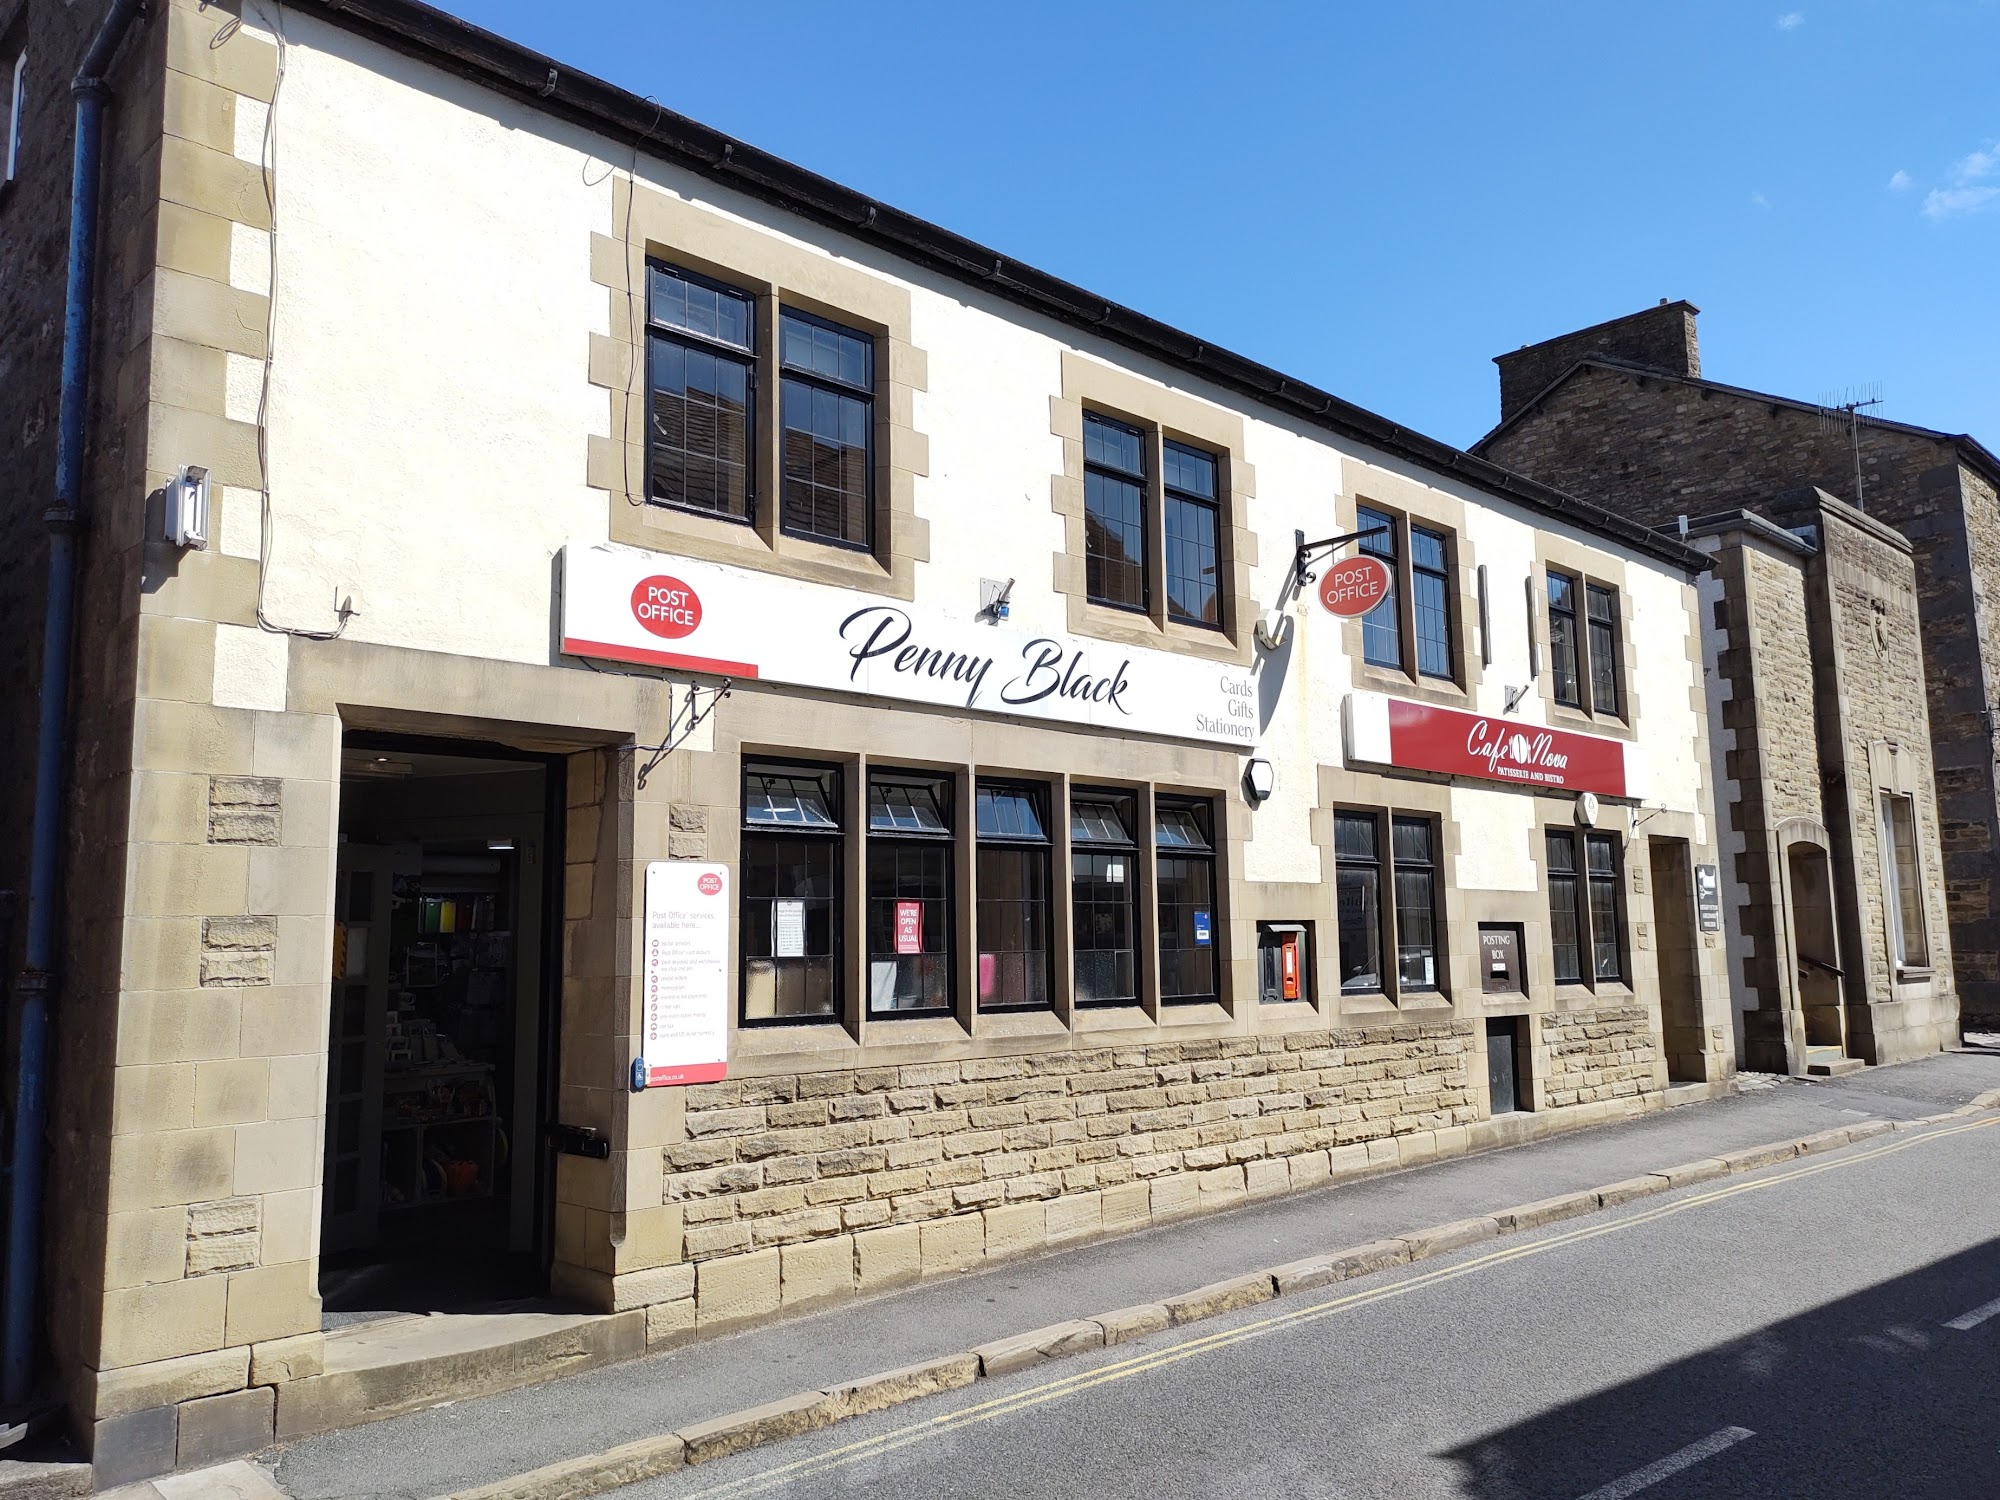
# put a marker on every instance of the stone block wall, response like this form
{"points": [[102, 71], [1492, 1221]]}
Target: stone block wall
{"points": [[1593, 1055], [799, 1186]]}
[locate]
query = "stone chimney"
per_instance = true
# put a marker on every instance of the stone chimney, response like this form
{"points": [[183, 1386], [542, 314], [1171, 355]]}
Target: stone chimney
{"points": [[1660, 338]]}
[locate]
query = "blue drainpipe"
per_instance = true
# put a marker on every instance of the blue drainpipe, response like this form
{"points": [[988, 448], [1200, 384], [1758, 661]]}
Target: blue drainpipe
{"points": [[36, 987]]}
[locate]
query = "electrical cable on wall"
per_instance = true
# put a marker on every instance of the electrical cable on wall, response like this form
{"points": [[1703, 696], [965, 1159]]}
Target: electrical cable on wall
{"points": [[268, 163]]}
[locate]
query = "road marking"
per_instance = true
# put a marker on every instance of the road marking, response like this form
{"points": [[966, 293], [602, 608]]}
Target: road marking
{"points": [[864, 1449], [1977, 1316], [1673, 1463]]}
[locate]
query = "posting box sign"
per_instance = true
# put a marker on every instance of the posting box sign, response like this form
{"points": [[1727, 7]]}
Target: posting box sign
{"points": [[685, 1020], [622, 604]]}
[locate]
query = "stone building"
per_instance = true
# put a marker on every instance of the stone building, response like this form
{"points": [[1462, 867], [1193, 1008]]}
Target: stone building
{"points": [[726, 747], [1848, 649]]}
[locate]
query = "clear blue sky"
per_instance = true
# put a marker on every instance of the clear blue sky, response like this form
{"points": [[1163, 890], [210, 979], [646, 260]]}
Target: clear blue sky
{"points": [[1379, 198]]}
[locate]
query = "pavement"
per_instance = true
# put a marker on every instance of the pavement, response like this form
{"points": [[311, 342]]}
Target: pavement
{"points": [[452, 1447]]}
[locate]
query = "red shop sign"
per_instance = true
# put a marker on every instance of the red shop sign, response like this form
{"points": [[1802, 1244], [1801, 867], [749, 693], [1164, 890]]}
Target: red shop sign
{"points": [[1423, 738], [1354, 585]]}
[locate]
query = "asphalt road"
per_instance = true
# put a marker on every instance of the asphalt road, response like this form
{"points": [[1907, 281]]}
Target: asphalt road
{"points": [[1781, 1334]]}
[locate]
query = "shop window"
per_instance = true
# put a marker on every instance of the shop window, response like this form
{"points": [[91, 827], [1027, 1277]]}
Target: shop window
{"points": [[701, 377], [790, 921], [1114, 513], [1284, 962], [1586, 908], [1416, 903], [1194, 594], [1563, 653], [1358, 901], [1430, 601], [826, 418], [909, 893], [1104, 893], [1908, 942], [1382, 626], [1407, 923], [1185, 870], [1013, 884], [1601, 610]]}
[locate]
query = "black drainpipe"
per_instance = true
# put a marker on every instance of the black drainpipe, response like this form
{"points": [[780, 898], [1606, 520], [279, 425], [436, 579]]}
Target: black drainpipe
{"points": [[36, 987]]}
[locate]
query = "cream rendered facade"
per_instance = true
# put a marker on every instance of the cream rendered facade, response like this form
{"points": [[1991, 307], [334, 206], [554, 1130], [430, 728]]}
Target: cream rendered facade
{"points": [[452, 325]]}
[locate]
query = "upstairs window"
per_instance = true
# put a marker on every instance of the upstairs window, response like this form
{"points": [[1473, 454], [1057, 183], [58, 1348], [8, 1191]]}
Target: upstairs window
{"points": [[1584, 645], [1563, 652], [827, 421], [1114, 513], [1601, 612], [1382, 626], [701, 377], [1013, 879], [1430, 601], [1193, 521]]}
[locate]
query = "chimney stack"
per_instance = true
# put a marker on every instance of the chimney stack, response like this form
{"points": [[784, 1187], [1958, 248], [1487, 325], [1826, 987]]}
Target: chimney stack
{"points": [[1660, 338]]}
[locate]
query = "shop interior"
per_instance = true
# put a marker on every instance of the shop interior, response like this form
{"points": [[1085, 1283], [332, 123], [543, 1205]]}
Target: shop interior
{"points": [[441, 1055]]}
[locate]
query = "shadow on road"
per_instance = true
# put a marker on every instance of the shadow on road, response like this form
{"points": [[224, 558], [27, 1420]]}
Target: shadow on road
{"points": [[1867, 1397]]}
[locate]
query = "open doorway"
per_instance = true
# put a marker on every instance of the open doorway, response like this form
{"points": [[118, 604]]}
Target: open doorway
{"points": [[442, 1044], [1681, 1029]]}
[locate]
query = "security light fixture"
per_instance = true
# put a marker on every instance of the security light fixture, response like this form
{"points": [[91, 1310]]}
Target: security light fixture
{"points": [[1259, 779], [187, 508]]}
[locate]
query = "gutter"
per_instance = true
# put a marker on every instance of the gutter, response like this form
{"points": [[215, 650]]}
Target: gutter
{"points": [[37, 986], [541, 83]]}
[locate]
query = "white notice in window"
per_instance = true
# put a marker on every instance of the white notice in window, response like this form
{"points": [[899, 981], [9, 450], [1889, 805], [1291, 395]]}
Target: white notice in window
{"points": [[685, 1036], [788, 929]]}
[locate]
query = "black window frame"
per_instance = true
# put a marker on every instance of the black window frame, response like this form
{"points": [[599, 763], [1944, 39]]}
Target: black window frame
{"points": [[791, 375], [1426, 868], [1594, 899], [1602, 662], [1383, 866], [1090, 846], [742, 355], [1440, 576], [1199, 859], [1140, 480], [834, 839], [1176, 501], [898, 842], [1039, 853], [1565, 627], [1382, 539]]}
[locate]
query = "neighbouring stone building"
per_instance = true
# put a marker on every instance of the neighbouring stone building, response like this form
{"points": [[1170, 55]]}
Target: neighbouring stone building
{"points": [[1847, 650], [727, 747]]}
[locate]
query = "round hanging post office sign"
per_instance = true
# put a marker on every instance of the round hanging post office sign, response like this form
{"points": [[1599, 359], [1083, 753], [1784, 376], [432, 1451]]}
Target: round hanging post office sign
{"points": [[1354, 585]]}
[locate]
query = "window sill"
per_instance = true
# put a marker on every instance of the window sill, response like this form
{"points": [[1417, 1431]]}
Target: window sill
{"points": [[1366, 1003], [1125, 626], [1911, 975], [1125, 1015], [1425, 1000], [991, 1025]]}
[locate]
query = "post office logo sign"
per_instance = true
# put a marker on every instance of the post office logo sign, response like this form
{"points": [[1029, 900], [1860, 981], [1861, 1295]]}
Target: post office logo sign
{"points": [[666, 607]]}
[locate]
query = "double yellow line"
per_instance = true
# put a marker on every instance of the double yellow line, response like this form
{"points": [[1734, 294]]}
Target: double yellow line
{"points": [[1140, 1364]]}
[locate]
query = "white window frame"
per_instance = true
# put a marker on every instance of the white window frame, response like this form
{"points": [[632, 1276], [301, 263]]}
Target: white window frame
{"points": [[17, 100]]}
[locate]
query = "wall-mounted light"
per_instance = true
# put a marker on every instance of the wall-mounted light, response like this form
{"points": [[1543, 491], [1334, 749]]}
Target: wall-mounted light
{"points": [[1271, 627], [1586, 809], [1259, 780], [500, 846], [187, 507]]}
